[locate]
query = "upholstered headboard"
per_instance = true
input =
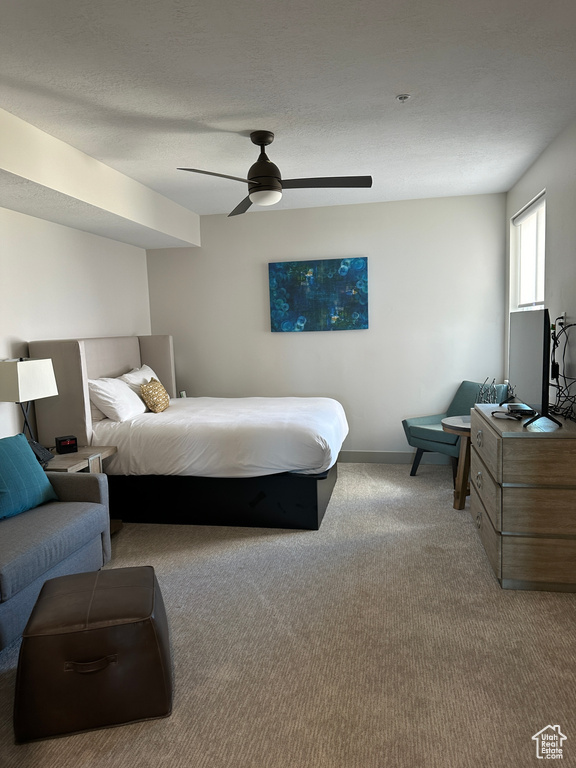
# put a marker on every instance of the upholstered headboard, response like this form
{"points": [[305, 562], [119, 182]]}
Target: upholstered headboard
{"points": [[77, 360]]}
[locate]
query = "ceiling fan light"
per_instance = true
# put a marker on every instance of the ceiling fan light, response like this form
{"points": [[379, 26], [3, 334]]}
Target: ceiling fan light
{"points": [[265, 196]]}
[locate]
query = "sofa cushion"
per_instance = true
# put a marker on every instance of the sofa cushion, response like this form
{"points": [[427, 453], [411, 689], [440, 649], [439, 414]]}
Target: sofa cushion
{"points": [[23, 482], [35, 541]]}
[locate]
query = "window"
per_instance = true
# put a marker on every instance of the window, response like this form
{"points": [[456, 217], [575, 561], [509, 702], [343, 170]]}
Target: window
{"points": [[528, 234]]}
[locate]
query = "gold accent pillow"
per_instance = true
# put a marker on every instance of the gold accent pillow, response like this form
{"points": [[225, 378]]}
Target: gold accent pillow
{"points": [[155, 396]]}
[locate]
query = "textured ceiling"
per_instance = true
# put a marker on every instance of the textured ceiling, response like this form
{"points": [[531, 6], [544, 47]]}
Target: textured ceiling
{"points": [[147, 86]]}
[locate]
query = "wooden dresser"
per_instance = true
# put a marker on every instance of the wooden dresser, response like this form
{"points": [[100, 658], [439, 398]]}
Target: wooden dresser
{"points": [[523, 499]]}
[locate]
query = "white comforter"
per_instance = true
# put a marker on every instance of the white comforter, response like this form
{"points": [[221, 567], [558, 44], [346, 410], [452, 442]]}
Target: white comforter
{"points": [[227, 437]]}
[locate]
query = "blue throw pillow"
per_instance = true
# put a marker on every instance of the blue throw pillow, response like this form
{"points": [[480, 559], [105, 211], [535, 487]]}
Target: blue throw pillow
{"points": [[23, 482]]}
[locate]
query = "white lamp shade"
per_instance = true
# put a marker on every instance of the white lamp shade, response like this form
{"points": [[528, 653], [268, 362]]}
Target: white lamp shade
{"points": [[24, 380], [265, 196]]}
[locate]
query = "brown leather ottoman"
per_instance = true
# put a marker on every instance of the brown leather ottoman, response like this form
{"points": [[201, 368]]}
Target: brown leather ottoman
{"points": [[95, 653]]}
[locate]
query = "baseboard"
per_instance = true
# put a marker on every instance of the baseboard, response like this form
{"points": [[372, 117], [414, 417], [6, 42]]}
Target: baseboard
{"points": [[389, 457]]}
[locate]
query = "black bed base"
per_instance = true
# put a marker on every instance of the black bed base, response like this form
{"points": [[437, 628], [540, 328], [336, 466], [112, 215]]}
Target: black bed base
{"points": [[274, 501]]}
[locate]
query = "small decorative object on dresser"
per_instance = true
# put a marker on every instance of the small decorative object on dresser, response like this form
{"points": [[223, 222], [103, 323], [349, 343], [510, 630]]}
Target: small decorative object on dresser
{"points": [[523, 499]]}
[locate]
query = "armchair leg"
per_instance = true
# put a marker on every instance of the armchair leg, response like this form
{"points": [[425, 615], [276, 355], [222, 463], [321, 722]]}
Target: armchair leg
{"points": [[416, 462]]}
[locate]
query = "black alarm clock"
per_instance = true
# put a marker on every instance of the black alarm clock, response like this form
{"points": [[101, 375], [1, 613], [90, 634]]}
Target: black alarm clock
{"points": [[66, 444]]}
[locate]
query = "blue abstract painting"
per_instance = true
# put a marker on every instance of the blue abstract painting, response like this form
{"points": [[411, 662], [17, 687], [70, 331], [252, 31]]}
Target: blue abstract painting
{"points": [[324, 295]]}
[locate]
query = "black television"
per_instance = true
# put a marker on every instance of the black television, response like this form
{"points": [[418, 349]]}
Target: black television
{"points": [[529, 361]]}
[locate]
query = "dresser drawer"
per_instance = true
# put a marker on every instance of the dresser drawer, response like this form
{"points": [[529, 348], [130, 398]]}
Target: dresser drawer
{"points": [[547, 462], [488, 445], [491, 539], [488, 490], [528, 562], [539, 511]]}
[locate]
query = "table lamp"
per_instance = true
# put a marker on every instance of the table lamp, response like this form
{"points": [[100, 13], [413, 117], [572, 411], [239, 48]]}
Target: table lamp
{"points": [[23, 380]]}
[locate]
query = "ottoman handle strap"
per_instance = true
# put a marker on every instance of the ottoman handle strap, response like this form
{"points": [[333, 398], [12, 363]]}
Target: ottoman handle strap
{"points": [[90, 666]]}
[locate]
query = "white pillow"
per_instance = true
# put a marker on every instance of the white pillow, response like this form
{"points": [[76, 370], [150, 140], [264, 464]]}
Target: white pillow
{"points": [[138, 376], [96, 413], [115, 399]]}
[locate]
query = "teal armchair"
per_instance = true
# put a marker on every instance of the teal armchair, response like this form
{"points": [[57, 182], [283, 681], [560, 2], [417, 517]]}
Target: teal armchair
{"points": [[425, 433]]}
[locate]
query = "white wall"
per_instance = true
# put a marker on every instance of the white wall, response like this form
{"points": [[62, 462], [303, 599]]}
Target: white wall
{"points": [[58, 282], [436, 305], [555, 171]]}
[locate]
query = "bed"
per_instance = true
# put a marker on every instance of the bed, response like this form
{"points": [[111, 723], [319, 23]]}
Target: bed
{"points": [[267, 462]]}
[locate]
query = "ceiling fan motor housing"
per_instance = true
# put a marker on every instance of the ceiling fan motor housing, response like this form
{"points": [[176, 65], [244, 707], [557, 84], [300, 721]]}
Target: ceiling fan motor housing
{"points": [[266, 174]]}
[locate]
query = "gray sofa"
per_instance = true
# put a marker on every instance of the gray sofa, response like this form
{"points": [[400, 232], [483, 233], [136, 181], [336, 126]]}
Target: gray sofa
{"points": [[70, 535]]}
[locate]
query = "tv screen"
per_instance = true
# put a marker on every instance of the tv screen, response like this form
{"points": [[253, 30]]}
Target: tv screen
{"points": [[526, 359], [529, 359]]}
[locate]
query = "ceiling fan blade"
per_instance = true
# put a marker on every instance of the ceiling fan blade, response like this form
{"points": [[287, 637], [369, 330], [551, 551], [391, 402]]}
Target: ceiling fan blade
{"points": [[328, 181], [221, 175], [241, 207]]}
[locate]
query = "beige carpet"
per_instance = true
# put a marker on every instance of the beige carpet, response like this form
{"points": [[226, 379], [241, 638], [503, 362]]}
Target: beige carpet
{"points": [[381, 640]]}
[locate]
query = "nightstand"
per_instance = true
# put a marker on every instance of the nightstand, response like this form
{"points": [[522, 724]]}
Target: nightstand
{"points": [[88, 457]]}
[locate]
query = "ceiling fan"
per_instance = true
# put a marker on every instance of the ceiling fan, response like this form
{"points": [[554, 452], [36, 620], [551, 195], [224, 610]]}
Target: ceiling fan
{"points": [[265, 183]]}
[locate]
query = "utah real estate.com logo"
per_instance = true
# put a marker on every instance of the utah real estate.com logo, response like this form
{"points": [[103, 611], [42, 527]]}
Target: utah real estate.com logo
{"points": [[549, 743]]}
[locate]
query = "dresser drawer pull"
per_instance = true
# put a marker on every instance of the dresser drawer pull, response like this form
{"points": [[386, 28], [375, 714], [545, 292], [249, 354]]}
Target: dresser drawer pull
{"points": [[479, 520], [479, 438], [479, 480]]}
